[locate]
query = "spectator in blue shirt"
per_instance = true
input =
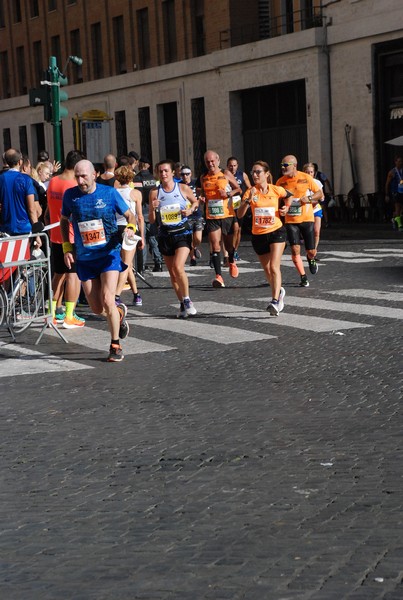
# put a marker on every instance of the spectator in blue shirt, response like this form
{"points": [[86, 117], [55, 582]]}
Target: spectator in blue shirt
{"points": [[18, 214]]}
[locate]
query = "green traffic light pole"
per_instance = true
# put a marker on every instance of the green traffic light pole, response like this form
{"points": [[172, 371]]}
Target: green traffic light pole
{"points": [[58, 79]]}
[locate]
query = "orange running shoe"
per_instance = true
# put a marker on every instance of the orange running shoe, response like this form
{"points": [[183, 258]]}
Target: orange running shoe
{"points": [[218, 282], [233, 270], [73, 322], [58, 319]]}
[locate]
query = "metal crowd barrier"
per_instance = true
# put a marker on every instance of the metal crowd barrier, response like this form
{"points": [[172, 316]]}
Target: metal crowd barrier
{"points": [[25, 284]]}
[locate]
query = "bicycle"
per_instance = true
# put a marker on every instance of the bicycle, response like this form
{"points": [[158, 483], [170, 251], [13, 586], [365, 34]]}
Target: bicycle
{"points": [[23, 284]]}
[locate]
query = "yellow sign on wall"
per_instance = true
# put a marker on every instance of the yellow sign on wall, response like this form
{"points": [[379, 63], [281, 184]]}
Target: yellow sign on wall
{"points": [[95, 115]]}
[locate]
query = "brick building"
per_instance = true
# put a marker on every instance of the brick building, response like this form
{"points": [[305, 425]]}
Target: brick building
{"points": [[173, 77]]}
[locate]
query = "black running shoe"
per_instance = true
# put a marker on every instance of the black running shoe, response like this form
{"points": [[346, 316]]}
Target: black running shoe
{"points": [[182, 313], [124, 325], [304, 281], [115, 353], [313, 266]]}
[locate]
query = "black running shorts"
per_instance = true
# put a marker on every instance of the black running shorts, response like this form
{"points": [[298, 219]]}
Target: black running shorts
{"points": [[226, 225], [168, 244], [261, 243], [57, 258], [296, 231]]}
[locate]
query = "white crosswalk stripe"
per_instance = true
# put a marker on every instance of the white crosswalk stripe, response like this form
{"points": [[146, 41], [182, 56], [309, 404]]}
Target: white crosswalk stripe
{"points": [[346, 307], [99, 339], [370, 294], [201, 330], [309, 323], [387, 251], [357, 261], [218, 322], [18, 360]]}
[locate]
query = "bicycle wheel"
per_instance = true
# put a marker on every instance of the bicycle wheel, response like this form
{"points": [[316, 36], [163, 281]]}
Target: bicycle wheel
{"points": [[3, 305], [31, 299]]}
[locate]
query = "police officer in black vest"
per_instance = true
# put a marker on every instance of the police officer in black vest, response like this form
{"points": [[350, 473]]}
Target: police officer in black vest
{"points": [[145, 182]]}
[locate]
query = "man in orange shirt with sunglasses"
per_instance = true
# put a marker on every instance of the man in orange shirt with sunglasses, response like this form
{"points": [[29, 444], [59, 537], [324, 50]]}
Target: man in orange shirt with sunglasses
{"points": [[299, 220]]}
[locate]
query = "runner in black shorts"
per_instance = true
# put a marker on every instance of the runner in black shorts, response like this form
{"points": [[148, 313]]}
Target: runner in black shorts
{"points": [[65, 282], [244, 183], [218, 191], [268, 204], [58, 264], [196, 220], [299, 219], [170, 205]]}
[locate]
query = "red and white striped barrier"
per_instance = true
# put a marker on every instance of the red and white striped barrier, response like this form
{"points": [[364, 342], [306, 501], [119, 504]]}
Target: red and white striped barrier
{"points": [[11, 251], [14, 250]]}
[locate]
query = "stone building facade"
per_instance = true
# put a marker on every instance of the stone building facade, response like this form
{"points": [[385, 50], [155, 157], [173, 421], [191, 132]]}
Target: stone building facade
{"points": [[170, 78]]}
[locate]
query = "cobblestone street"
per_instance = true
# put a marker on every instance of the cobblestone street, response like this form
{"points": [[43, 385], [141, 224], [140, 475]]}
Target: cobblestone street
{"points": [[249, 457]]}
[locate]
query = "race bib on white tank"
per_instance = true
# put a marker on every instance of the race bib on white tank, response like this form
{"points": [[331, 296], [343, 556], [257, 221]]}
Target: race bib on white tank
{"points": [[171, 214]]}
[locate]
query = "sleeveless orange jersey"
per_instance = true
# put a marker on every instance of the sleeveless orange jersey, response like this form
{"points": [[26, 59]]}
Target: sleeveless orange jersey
{"points": [[299, 185], [217, 207], [265, 215], [56, 189]]}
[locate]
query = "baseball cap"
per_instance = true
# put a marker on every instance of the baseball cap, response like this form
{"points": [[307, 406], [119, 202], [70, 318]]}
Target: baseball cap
{"points": [[145, 159]]}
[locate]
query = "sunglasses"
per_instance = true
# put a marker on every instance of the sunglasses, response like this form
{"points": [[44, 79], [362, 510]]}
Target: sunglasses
{"points": [[285, 165], [186, 172], [257, 172]]}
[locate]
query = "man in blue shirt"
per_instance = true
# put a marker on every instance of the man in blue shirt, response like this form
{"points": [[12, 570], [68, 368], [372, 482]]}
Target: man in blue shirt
{"points": [[19, 215], [92, 209], [394, 192]]}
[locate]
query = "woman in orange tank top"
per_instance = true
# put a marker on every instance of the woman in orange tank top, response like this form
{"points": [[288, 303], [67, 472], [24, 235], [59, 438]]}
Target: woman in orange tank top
{"points": [[268, 232]]}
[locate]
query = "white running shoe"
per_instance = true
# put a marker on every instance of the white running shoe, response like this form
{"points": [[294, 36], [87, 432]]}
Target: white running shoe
{"points": [[182, 314], [281, 299], [273, 308], [189, 307]]}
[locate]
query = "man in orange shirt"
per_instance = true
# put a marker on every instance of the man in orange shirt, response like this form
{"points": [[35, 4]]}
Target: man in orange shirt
{"points": [[63, 280], [218, 188], [299, 220]]}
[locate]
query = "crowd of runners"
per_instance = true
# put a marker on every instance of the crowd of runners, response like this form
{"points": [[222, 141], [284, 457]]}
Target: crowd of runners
{"points": [[100, 218]]}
